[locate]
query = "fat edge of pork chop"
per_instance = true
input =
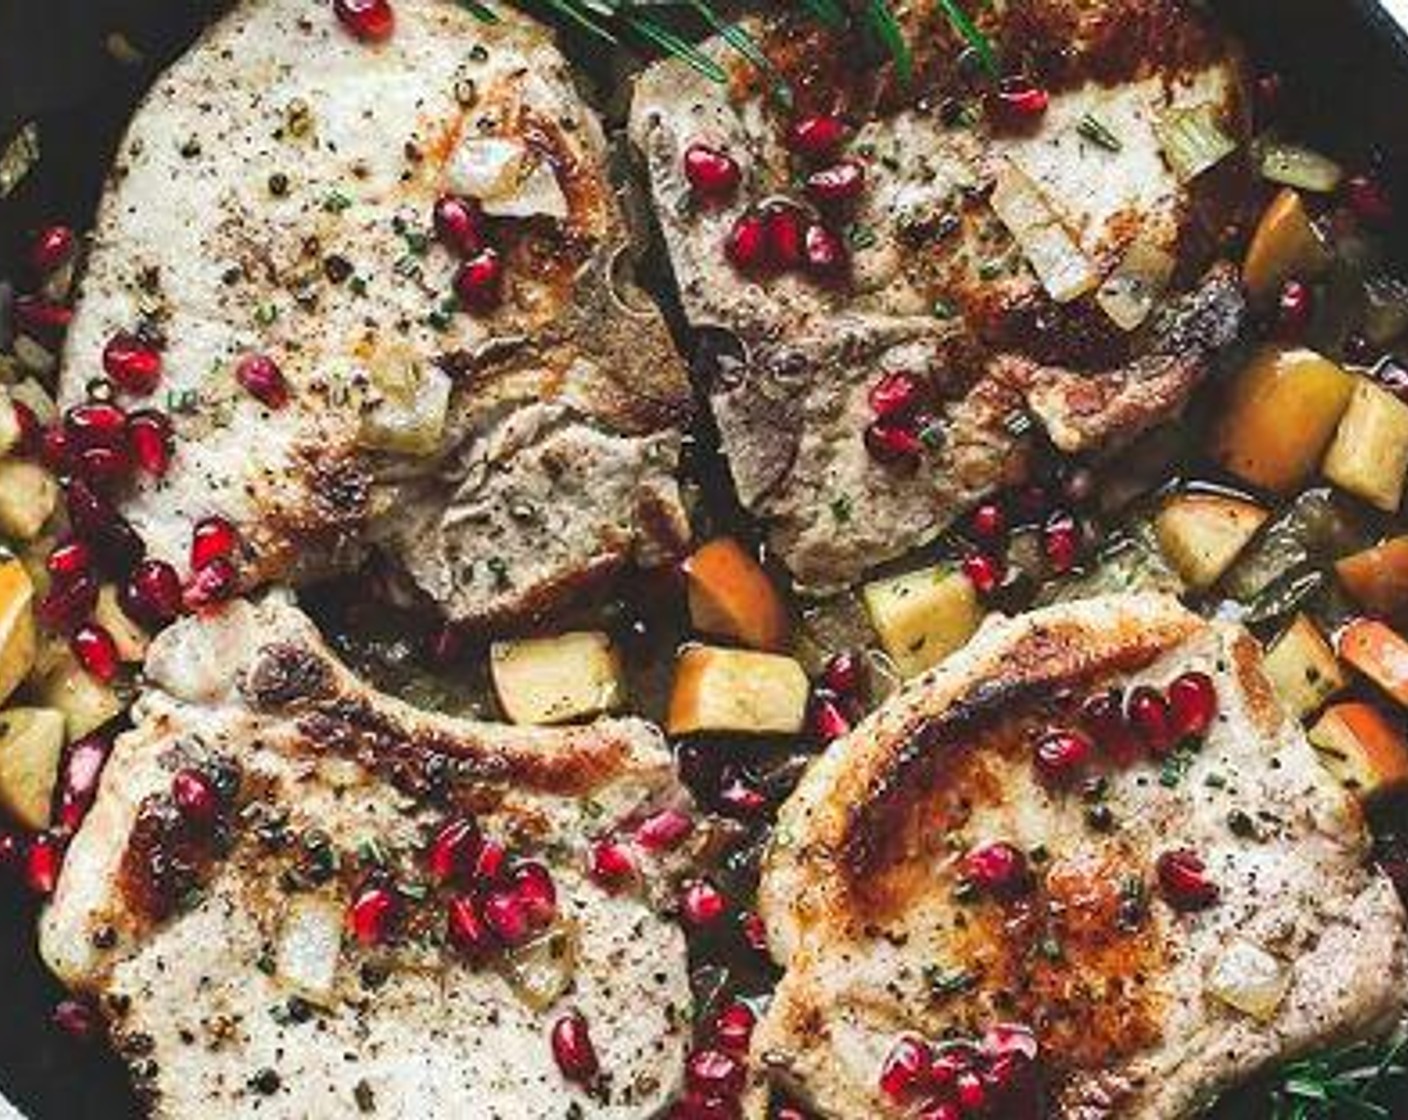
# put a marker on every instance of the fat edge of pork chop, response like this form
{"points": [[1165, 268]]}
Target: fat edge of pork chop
{"points": [[937, 288], [871, 912], [273, 196], [229, 963]]}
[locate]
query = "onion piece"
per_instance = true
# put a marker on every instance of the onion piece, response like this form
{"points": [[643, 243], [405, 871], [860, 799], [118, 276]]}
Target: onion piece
{"points": [[1193, 141], [1294, 166], [18, 158], [409, 417], [542, 970], [1132, 291], [507, 177], [1249, 979], [310, 946], [1064, 270]]}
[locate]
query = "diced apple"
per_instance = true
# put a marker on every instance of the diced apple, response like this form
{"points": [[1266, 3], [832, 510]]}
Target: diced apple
{"points": [[561, 679], [1380, 653], [923, 616], [131, 640], [730, 596], [1202, 534], [737, 690], [17, 632], [28, 494], [1358, 744], [1377, 578], [1280, 416], [1369, 456], [1303, 668], [31, 745], [1285, 246], [62, 683]]}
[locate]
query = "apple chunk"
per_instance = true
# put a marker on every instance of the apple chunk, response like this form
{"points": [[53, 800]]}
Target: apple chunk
{"points": [[31, 744], [730, 596], [17, 633], [1361, 748], [1202, 534], [923, 616], [1369, 456], [1380, 653], [737, 690], [1303, 668], [1284, 246], [561, 679]]}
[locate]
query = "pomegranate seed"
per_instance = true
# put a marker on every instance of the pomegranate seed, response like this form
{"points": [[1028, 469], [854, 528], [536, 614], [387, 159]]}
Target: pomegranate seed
{"points": [[746, 245], [1103, 717], [371, 21], [1020, 103], [972, 1097], [152, 594], [826, 719], [77, 1019], [739, 796], [733, 1027], [816, 136], [1294, 308], [572, 1049], [1060, 541], [1192, 703], [782, 236], [68, 603], [941, 1110], [827, 258], [895, 395], [459, 224], [213, 538], [211, 584], [489, 862], [892, 445], [905, 1068], [507, 916], [479, 281], [78, 779], [466, 929], [133, 365], [96, 651], [260, 376], [610, 863], [844, 674], [1148, 714], [1369, 200], [714, 1073], [445, 645], [70, 558], [701, 903], [95, 424], [52, 248], [754, 931], [988, 523], [41, 319], [30, 430], [1060, 755], [53, 449], [452, 852], [1184, 882], [149, 437], [711, 173], [1010, 1038], [534, 889], [195, 797], [42, 863], [983, 571], [840, 183], [104, 467], [372, 914], [999, 869], [663, 830]]}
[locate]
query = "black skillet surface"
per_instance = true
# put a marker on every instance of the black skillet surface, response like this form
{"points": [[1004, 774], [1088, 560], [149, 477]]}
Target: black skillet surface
{"points": [[1346, 63]]}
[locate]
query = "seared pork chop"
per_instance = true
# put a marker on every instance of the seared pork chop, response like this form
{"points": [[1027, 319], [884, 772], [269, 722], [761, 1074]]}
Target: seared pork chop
{"points": [[1130, 912], [296, 897], [273, 199], [1052, 265]]}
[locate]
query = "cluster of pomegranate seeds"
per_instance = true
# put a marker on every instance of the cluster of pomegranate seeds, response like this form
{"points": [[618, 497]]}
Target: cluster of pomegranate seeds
{"points": [[997, 1077], [1019, 103], [715, 1071], [838, 701], [900, 424], [132, 363], [371, 21], [780, 237], [712, 173], [214, 578], [573, 1050], [105, 446], [260, 376], [52, 248], [460, 226], [1184, 881], [998, 869], [990, 524]]}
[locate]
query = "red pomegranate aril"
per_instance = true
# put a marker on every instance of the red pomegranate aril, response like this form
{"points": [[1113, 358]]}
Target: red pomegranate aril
{"points": [[988, 524], [941, 1110], [459, 224], [372, 914], [213, 538], [826, 719], [1060, 755], [715, 1073], [53, 449], [1148, 715], [972, 1096], [133, 364], [479, 281], [1294, 307], [152, 594], [95, 424], [895, 395], [211, 584], [712, 173], [664, 830], [1192, 704], [1103, 716], [96, 651], [783, 237], [1060, 541], [746, 244], [984, 572], [77, 1019], [31, 432], [1184, 881], [68, 603], [195, 797], [489, 863], [149, 438], [452, 851], [465, 928], [733, 1027], [1010, 1038], [816, 136], [260, 376], [52, 248], [755, 931], [1369, 200], [827, 258], [534, 889], [610, 864], [844, 674], [78, 780], [1020, 103], [572, 1049], [840, 183], [740, 797], [892, 445], [371, 21], [507, 916], [70, 558], [701, 903], [999, 869], [42, 861], [104, 467], [41, 319], [906, 1068]]}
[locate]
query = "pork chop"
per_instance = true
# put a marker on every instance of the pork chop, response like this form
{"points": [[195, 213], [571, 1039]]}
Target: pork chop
{"points": [[1129, 925], [273, 198], [1054, 266], [277, 919]]}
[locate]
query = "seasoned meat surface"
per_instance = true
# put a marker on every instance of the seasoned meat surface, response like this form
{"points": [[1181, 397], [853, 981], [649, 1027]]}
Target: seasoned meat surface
{"points": [[961, 208], [229, 950], [1156, 925], [273, 198]]}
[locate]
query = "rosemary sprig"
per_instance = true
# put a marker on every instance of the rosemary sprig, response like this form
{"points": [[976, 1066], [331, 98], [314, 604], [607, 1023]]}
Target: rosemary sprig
{"points": [[968, 31], [1355, 1081]]}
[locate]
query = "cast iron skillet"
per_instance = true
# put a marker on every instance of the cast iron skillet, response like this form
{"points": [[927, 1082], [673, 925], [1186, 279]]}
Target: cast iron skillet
{"points": [[1348, 65]]}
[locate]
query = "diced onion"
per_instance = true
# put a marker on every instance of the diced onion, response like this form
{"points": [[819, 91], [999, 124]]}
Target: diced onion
{"points": [[18, 158], [1133, 289], [310, 946], [508, 178], [1193, 141], [409, 417], [1064, 270], [542, 970], [1294, 166], [1249, 979]]}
